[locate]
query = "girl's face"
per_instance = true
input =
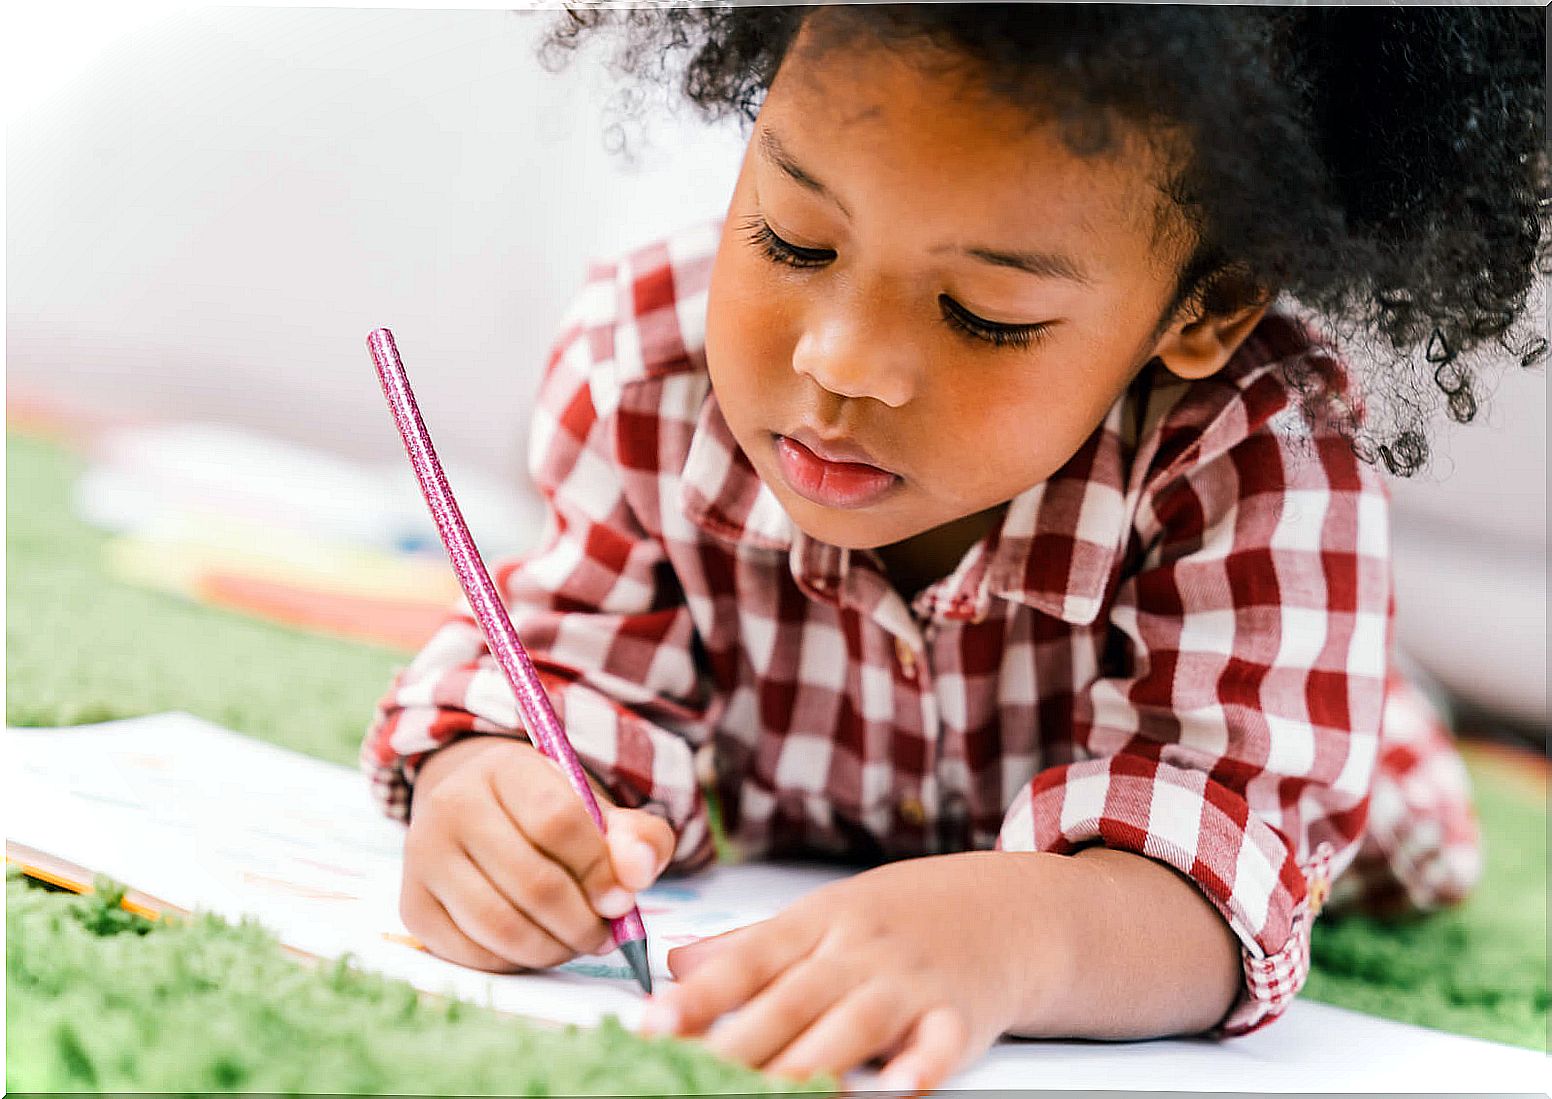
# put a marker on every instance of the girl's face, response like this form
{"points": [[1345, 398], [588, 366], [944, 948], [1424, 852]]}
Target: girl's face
{"points": [[922, 304]]}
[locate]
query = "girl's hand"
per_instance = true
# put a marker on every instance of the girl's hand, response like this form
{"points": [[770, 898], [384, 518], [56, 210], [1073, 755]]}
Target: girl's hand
{"points": [[924, 962], [503, 867]]}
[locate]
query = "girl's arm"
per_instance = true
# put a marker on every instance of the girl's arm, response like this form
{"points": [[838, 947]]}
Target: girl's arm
{"points": [[1232, 732], [1137, 951], [596, 607]]}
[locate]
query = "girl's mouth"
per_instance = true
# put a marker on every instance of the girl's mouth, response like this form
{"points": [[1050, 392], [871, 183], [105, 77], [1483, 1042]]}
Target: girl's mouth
{"points": [[831, 484]]}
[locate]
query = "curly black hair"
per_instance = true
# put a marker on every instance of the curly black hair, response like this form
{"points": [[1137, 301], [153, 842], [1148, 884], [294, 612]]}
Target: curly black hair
{"points": [[1388, 170]]}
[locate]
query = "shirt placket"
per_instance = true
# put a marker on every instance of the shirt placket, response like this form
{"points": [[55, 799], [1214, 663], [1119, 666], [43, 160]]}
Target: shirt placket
{"points": [[916, 809], [914, 794], [911, 793], [960, 597]]}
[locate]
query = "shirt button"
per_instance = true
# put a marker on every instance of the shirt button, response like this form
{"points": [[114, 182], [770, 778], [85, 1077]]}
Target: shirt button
{"points": [[912, 813]]}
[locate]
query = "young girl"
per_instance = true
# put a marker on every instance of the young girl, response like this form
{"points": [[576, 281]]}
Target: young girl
{"points": [[972, 502]]}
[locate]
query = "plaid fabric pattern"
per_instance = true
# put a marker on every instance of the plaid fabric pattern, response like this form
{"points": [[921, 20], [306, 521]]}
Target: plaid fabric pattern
{"points": [[1176, 646], [1422, 849]]}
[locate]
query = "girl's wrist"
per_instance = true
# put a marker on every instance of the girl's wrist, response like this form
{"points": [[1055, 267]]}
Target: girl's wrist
{"points": [[443, 761], [457, 753]]}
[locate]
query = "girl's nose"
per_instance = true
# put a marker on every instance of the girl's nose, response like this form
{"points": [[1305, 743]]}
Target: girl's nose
{"points": [[851, 354]]}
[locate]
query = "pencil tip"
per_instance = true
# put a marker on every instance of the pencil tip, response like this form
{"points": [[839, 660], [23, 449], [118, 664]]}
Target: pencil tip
{"points": [[635, 952]]}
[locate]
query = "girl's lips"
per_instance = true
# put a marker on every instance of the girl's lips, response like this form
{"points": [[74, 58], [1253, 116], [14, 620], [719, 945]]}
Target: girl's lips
{"points": [[831, 484]]}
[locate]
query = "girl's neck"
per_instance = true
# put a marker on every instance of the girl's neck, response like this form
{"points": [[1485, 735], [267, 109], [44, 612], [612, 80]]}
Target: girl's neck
{"points": [[927, 557]]}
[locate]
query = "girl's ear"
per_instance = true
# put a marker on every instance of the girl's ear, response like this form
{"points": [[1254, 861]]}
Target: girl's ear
{"points": [[1194, 349]]}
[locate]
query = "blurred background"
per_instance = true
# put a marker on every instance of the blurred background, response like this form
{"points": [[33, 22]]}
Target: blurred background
{"points": [[208, 210], [210, 217]]}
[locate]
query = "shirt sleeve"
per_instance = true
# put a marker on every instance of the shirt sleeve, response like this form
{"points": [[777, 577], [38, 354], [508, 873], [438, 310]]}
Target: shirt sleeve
{"points": [[1233, 730], [598, 609]]}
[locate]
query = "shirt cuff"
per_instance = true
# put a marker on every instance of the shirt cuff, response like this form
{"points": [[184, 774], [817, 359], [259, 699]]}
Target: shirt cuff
{"points": [[398, 743], [1180, 817], [639, 765], [642, 767]]}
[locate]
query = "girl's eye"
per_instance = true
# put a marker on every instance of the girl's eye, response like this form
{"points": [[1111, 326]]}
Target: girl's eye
{"points": [[759, 233], [998, 335]]}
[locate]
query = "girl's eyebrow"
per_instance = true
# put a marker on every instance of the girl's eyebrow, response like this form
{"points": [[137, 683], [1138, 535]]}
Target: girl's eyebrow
{"points": [[777, 154], [1046, 265]]}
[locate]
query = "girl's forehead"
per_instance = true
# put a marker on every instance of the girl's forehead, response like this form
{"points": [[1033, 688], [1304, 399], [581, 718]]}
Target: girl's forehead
{"points": [[911, 128]]}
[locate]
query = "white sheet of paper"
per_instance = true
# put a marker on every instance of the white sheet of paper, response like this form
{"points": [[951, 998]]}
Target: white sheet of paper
{"points": [[204, 818]]}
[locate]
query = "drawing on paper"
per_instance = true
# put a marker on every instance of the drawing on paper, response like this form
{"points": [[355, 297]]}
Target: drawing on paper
{"points": [[672, 892], [597, 969], [290, 888]]}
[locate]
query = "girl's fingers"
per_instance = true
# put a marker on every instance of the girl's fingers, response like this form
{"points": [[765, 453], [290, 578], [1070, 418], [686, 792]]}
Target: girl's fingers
{"points": [[786, 1008], [934, 1050], [683, 961], [640, 846], [744, 963], [425, 916], [541, 804], [533, 884], [868, 1019], [491, 921]]}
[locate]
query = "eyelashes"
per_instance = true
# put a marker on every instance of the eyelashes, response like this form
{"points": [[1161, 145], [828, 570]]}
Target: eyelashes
{"points": [[765, 241], [998, 335], [759, 233]]}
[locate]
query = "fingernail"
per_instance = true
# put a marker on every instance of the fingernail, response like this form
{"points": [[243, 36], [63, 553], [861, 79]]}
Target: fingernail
{"points": [[658, 1018], [898, 1078], [615, 903]]}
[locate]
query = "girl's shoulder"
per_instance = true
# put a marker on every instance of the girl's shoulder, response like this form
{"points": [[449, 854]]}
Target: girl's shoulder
{"points": [[627, 383], [642, 314], [1286, 381]]}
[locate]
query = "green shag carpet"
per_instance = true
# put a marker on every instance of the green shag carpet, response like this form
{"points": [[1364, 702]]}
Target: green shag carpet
{"points": [[83, 647], [1479, 969], [102, 1000]]}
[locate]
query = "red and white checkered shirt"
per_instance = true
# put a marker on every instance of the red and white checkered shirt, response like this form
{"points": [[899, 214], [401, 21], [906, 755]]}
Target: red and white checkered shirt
{"points": [[1175, 646]]}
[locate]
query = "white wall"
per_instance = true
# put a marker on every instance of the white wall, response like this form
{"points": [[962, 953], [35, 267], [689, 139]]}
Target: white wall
{"points": [[1470, 547], [210, 218]]}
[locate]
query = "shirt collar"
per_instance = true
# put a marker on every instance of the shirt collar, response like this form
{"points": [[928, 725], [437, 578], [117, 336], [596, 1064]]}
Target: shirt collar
{"points": [[1054, 549], [1057, 543]]}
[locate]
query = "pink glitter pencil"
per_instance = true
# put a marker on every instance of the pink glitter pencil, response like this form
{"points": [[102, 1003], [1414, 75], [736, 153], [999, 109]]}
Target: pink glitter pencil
{"points": [[543, 727]]}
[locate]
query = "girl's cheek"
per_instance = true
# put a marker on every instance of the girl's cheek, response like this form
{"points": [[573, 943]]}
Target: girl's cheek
{"points": [[767, 328], [754, 318]]}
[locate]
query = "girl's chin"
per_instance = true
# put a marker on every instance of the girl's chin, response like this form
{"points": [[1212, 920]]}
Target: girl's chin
{"points": [[856, 529]]}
